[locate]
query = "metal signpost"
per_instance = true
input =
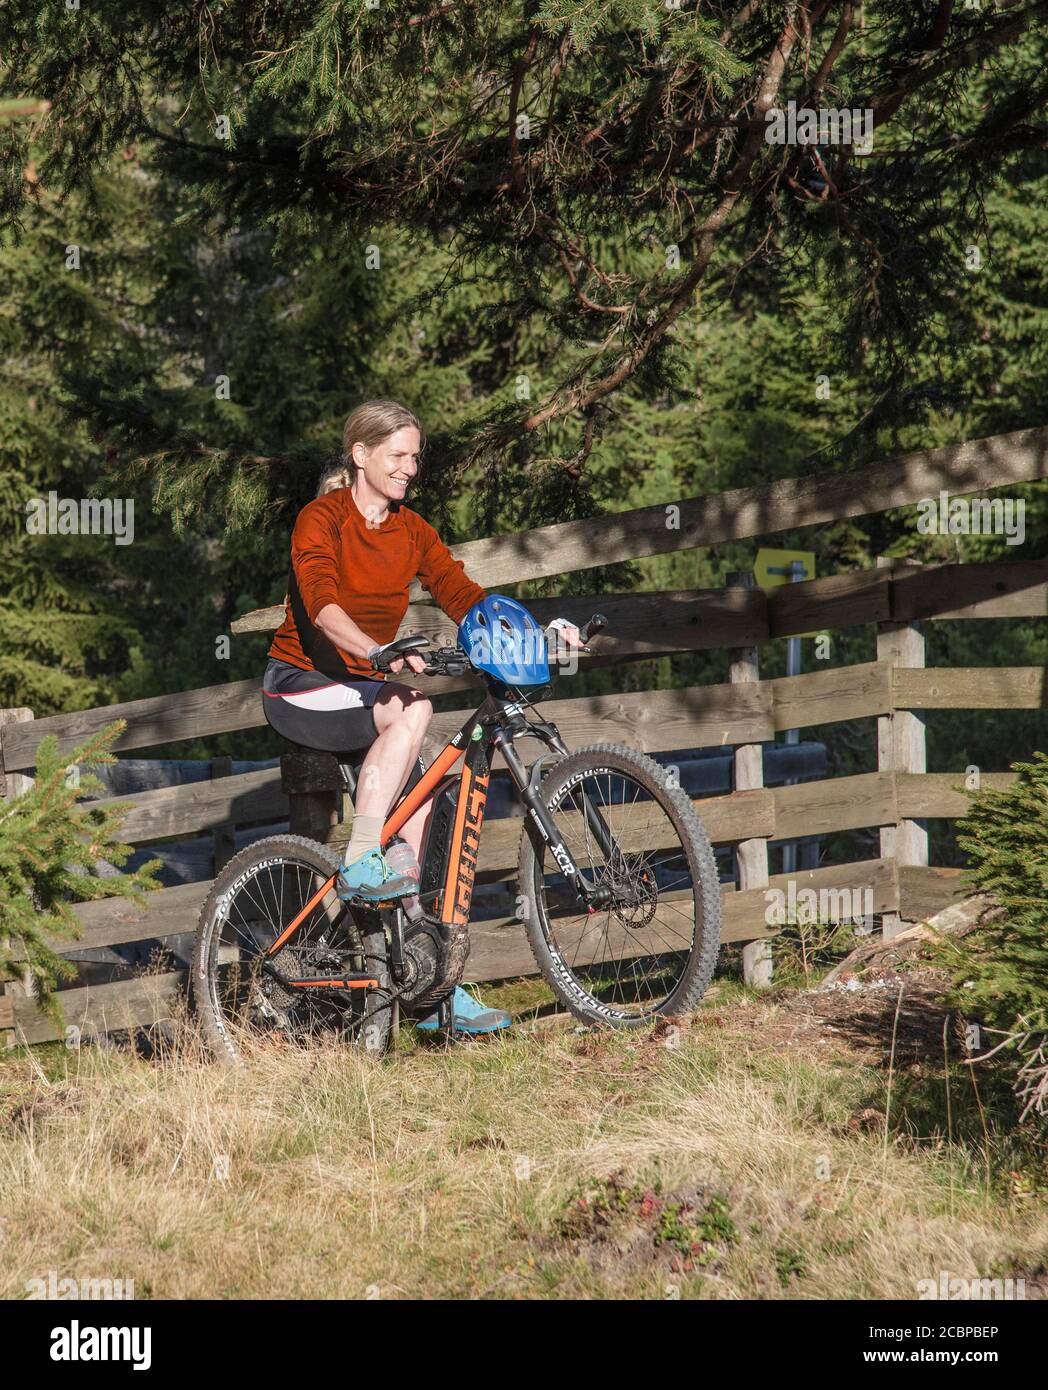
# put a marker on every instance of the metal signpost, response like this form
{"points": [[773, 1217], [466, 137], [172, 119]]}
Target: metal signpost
{"points": [[772, 568]]}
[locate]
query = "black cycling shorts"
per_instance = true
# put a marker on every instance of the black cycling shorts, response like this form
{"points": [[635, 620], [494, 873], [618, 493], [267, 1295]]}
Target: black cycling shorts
{"points": [[311, 709]]}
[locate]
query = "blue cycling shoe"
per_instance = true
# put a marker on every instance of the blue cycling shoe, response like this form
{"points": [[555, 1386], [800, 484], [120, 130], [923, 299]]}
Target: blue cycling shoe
{"points": [[370, 877], [468, 1015]]}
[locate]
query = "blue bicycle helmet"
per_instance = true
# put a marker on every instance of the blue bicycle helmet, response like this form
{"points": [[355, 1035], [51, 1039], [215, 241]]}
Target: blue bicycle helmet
{"points": [[501, 637]]}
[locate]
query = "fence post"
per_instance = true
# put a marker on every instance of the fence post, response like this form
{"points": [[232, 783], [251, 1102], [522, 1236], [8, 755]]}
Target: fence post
{"points": [[901, 744], [310, 780], [13, 784], [751, 856], [224, 841]]}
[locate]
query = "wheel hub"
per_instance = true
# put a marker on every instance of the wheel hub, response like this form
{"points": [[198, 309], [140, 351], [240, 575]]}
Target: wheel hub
{"points": [[635, 897]]}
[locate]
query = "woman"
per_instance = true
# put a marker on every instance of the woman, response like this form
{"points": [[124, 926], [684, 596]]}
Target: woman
{"points": [[354, 551]]}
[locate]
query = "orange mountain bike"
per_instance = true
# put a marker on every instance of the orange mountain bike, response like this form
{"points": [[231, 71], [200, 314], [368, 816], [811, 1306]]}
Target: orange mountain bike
{"points": [[618, 893]]}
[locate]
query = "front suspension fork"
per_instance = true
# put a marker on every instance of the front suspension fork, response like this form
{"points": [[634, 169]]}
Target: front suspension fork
{"points": [[587, 892]]}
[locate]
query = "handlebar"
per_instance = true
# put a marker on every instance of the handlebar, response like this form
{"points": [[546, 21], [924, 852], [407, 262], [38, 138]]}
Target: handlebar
{"points": [[453, 661]]}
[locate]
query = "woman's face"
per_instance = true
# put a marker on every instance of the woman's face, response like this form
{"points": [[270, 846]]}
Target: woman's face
{"points": [[390, 466]]}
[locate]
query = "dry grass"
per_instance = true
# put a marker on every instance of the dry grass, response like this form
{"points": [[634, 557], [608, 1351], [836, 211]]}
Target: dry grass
{"points": [[457, 1173]]}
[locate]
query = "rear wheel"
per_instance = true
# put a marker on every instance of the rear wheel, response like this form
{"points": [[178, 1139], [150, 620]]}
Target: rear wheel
{"points": [[252, 900], [652, 950]]}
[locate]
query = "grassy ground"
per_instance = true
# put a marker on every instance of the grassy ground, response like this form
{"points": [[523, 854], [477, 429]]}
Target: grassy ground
{"points": [[748, 1153]]}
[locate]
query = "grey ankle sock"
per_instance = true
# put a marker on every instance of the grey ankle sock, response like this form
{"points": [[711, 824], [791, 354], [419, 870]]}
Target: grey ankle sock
{"points": [[365, 836]]}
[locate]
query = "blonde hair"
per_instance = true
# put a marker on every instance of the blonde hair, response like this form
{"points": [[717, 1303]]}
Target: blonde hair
{"points": [[336, 475], [373, 422]]}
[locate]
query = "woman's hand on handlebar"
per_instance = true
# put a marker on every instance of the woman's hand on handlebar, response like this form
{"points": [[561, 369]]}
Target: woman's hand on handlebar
{"points": [[392, 655], [415, 662]]}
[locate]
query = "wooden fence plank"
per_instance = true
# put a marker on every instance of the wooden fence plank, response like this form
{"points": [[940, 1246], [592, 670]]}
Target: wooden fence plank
{"points": [[500, 949], [838, 601], [745, 913], [703, 619], [827, 697], [214, 709], [670, 620], [925, 890], [1016, 589], [972, 687], [693, 716], [838, 803], [738, 816], [98, 1009], [1000, 589], [701, 713], [656, 721], [921, 795], [117, 921], [243, 798]]}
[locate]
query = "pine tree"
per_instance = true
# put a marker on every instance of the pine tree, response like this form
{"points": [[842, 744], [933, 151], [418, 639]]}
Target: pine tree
{"points": [[49, 846], [1004, 972], [1000, 967], [595, 166]]}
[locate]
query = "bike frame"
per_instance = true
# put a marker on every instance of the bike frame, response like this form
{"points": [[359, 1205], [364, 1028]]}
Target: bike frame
{"points": [[494, 725]]}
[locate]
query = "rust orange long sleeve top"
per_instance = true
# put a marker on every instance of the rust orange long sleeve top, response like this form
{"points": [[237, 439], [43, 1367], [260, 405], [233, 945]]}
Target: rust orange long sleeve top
{"points": [[337, 556]]}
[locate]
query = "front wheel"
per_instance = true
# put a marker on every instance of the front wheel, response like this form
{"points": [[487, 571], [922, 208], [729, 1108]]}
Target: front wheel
{"points": [[652, 950]]}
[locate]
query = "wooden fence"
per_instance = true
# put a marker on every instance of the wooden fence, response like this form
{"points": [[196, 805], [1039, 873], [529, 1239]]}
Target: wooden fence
{"points": [[743, 713]]}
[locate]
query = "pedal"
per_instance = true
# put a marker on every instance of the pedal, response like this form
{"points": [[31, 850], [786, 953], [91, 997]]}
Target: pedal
{"points": [[411, 905]]}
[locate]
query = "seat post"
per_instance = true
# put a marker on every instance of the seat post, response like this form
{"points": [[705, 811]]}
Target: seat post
{"points": [[348, 773]]}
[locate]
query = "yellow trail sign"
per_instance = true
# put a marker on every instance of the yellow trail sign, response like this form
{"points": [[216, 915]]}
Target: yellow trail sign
{"points": [[772, 568]]}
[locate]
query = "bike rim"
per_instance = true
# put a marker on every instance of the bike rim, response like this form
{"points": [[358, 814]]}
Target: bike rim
{"points": [[248, 919], [625, 961]]}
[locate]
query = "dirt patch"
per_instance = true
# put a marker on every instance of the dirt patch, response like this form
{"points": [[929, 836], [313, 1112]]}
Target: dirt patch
{"points": [[872, 1017], [885, 1014]]}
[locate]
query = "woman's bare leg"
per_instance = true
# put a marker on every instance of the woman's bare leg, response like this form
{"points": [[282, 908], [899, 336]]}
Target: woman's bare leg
{"points": [[402, 717]]}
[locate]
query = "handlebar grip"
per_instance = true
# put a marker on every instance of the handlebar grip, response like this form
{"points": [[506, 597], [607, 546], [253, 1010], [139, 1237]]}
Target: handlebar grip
{"points": [[594, 626], [382, 658]]}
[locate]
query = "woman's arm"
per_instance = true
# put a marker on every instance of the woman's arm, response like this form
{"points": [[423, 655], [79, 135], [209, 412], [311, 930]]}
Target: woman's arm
{"points": [[441, 575], [338, 627]]}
